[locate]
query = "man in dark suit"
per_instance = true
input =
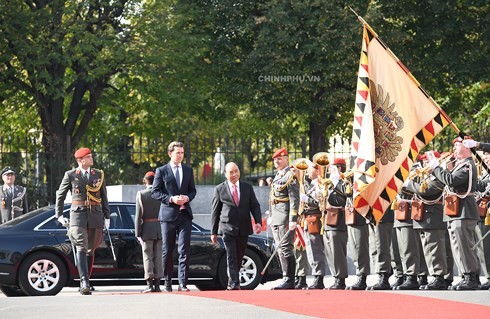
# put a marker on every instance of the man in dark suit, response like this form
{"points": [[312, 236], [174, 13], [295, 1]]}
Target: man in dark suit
{"points": [[89, 212], [174, 187], [14, 197], [233, 201]]}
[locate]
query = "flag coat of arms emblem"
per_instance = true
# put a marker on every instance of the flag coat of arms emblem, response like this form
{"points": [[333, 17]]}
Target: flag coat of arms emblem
{"points": [[394, 119]]}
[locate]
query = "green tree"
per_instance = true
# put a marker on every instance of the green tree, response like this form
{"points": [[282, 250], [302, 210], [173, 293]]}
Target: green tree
{"points": [[58, 60]]}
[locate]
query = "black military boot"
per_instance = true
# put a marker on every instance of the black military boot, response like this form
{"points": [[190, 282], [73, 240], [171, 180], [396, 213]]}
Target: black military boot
{"points": [[149, 286], [168, 285], [317, 283], [156, 285], [423, 280], [469, 282], [437, 284], [360, 283], [398, 282], [383, 283], [287, 283], [90, 262], [410, 283], [486, 285], [83, 273], [453, 287], [301, 283], [339, 284]]}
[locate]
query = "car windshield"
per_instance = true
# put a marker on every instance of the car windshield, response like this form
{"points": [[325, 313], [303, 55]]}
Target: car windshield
{"points": [[29, 215]]}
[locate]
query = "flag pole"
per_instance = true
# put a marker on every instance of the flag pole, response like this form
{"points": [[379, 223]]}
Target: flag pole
{"points": [[433, 102]]}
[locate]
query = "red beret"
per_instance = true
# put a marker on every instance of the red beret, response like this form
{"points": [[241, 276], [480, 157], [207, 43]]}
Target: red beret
{"points": [[81, 152], [437, 154], [422, 157], [339, 161], [280, 152], [150, 173]]}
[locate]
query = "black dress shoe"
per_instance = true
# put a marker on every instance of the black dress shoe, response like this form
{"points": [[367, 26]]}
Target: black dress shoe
{"points": [[183, 288]]}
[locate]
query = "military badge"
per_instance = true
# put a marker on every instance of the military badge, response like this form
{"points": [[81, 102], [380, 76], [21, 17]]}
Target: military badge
{"points": [[76, 191]]}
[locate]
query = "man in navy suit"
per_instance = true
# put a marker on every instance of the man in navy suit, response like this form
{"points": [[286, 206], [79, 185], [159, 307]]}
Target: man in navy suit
{"points": [[174, 187], [233, 201]]}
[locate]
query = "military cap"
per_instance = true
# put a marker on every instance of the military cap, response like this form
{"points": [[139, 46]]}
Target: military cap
{"points": [[339, 161], [81, 152], [280, 152], [149, 174], [8, 170]]}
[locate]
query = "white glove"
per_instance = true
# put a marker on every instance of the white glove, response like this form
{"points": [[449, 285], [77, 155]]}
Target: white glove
{"points": [[292, 225], [140, 240], [469, 143], [335, 179], [269, 220], [433, 163], [107, 222], [63, 220], [304, 198]]}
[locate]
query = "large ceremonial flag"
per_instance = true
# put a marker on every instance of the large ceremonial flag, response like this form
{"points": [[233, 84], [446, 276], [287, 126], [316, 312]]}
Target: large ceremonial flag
{"points": [[394, 119]]}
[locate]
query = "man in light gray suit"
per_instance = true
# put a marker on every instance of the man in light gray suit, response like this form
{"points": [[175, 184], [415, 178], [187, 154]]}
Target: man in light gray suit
{"points": [[149, 234], [233, 201]]}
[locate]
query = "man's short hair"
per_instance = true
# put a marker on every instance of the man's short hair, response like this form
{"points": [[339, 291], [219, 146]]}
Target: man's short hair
{"points": [[174, 144]]}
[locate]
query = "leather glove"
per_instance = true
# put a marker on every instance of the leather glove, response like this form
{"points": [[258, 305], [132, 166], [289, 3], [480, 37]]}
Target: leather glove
{"points": [[140, 240], [469, 143], [63, 220], [292, 225], [107, 222], [304, 198], [433, 163]]}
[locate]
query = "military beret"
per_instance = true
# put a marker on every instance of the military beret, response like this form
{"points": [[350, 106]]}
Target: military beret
{"points": [[81, 152], [149, 174], [437, 154], [8, 170], [339, 161], [422, 157], [280, 152]]}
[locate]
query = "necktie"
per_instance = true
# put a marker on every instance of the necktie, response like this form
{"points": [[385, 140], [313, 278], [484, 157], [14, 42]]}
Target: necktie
{"points": [[177, 176], [9, 191], [234, 194], [85, 176]]}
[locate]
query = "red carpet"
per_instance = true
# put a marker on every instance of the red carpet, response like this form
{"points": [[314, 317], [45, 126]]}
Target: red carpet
{"points": [[344, 304]]}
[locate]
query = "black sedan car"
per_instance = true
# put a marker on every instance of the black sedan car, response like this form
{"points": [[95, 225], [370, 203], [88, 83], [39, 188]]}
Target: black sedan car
{"points": [[36, 257]]}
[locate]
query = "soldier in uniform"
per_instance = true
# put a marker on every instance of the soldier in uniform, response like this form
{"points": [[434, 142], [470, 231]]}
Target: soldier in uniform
{"points": [[358, 241], [461, 207], [14, 197], [284, 197], [483, 249], [335, 235], [89, 207], [383, 234], [313, 219], [149, 234], [428, 222]]}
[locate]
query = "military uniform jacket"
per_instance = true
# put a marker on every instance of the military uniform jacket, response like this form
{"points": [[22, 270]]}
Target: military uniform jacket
{"points": [[82, 215], [457, 180], [311, 207], [146, 221], [284, 197], [485, 147], [13, 207], [338, 199], [434, 217]]}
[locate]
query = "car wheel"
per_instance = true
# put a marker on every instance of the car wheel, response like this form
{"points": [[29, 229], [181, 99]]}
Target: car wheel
{"points": [[12, 291], [250, 276], [42, 274]]}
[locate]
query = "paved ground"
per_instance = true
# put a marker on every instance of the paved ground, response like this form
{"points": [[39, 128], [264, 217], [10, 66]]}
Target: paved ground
{"points": [[127, 301]]}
